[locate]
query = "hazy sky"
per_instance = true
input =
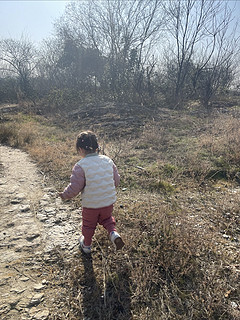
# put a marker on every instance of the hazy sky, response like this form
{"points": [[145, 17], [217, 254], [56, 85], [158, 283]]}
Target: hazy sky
{"points": [[34, 18]]}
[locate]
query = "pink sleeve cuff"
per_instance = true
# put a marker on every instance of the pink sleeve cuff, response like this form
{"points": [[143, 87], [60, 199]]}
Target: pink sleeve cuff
{"points": [[116, 175]]}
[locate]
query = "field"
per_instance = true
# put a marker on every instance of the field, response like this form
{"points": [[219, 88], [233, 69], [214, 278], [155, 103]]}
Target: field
{"points": [[177, 208]]}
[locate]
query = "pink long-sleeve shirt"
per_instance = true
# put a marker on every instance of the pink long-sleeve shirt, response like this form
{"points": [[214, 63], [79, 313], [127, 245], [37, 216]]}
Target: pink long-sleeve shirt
{"points": [[78, 181]]}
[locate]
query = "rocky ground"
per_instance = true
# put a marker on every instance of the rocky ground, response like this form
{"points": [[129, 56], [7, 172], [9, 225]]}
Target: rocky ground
{"points": [[34, 224]]}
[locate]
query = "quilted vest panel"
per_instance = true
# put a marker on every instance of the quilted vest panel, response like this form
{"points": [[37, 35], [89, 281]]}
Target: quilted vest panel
{"points": [[100, 188]]}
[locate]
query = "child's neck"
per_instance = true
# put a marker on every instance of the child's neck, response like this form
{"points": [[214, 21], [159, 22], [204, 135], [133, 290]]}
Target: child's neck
{"points": [[85, 154]]}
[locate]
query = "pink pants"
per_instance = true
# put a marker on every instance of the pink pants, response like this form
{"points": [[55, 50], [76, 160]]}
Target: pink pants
{"points": [[90, 219]]}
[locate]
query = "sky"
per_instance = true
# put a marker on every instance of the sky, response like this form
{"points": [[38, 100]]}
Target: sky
{"points": [[31, 18], [34, 18]]}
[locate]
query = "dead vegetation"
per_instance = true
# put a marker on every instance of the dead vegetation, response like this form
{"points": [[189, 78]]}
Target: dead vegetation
{"points": [[177, 209]]}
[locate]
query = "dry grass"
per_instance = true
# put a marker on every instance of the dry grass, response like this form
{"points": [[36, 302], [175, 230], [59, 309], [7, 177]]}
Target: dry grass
{"points": [[222, 142], [166, 271], [176, 263], [16, 135]]}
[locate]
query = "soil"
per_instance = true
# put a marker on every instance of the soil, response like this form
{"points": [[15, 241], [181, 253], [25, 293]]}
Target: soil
{"points": [[34, 224]]}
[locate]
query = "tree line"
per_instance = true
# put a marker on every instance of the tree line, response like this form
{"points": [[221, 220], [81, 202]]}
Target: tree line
{"points": [[136, 51]]}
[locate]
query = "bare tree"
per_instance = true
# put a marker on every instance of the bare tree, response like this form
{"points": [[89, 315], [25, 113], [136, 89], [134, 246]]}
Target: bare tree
{"points": [[217, 72], [200, 33], [123, 31], [18, 59]]}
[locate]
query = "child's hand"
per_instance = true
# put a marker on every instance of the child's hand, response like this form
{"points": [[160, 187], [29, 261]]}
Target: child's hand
{"points": [[60, 194]]}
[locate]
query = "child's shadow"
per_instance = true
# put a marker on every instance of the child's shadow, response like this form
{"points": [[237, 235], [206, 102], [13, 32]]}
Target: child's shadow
{"points": [[112, 302], [91, 291]]}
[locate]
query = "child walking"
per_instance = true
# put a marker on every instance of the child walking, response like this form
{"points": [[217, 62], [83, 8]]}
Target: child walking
{"points": [[96, 177]]}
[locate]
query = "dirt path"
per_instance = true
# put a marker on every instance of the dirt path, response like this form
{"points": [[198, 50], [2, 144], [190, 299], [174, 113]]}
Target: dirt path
{"points": [[34, 222]]}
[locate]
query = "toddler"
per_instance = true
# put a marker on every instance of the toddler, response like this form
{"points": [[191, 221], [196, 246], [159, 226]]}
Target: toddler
{"points": [[96, 177]]}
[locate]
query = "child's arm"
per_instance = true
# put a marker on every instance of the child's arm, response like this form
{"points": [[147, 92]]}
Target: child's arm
{"points": [[76, 185], [116, 175]]}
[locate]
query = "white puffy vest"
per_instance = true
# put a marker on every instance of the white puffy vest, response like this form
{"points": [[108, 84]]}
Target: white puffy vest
{"points": [[100, 187]]}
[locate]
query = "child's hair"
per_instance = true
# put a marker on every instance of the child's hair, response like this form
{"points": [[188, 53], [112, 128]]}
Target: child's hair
{"points": [[87, 140]]}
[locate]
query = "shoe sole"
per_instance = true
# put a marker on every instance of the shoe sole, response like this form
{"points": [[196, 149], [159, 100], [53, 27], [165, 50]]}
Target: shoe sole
{"points": [[82, 248], [119, 243], [87, 252]]}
